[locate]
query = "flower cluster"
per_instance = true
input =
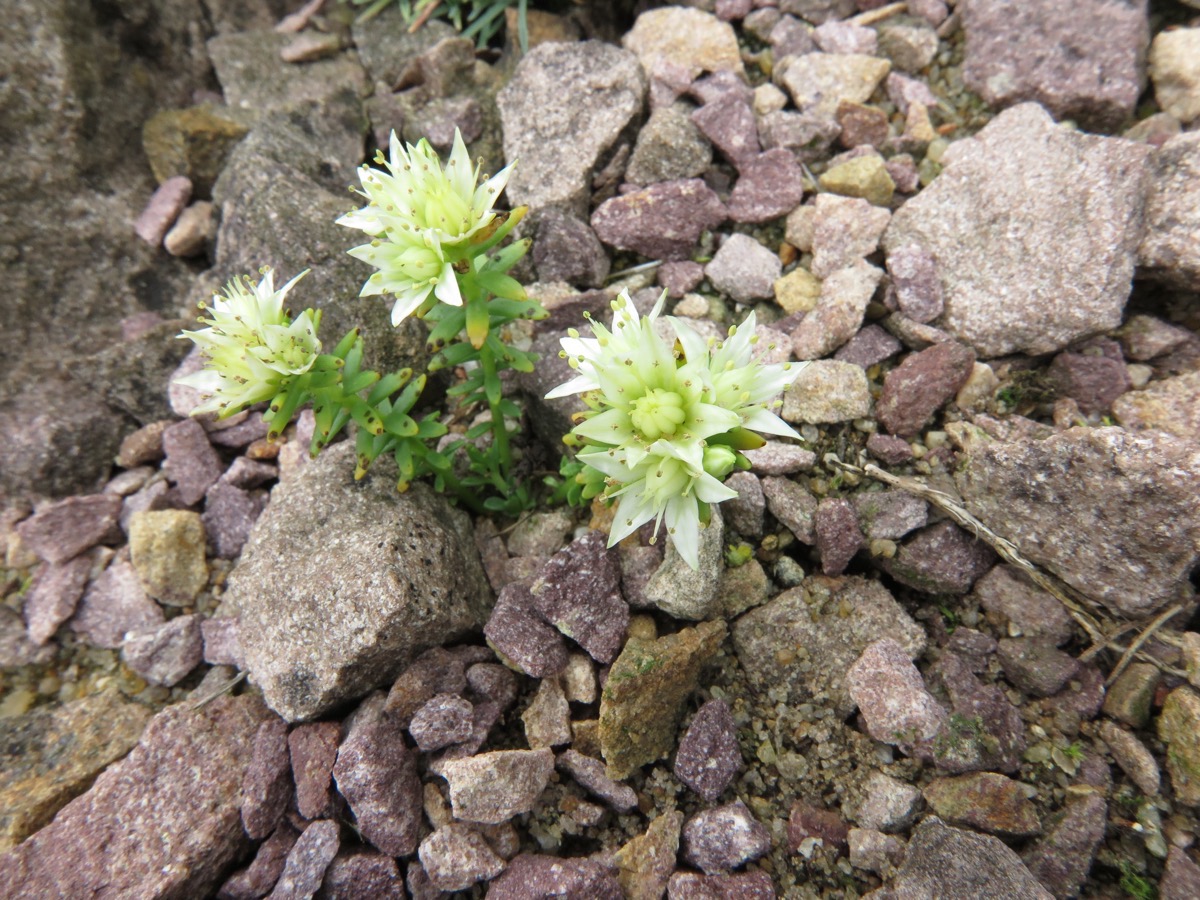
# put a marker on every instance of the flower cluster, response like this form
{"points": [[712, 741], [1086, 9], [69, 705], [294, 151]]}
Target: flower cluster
{"points": [[252, 345], [668, 419], [423, 220]]}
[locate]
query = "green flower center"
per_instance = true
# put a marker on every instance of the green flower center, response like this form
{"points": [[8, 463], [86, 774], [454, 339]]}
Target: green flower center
{"points": [[657, 413]]}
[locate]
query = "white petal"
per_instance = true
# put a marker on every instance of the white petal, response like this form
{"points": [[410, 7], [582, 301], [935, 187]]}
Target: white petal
{"points": [[683, 520], [577, 385], [407, 303], [447, 287], [634, 511], [766, 422]]}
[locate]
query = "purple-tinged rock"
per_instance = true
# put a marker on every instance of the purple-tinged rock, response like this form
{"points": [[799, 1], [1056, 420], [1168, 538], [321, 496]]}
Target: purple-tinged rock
{"points": [[589, 773], [377, 774], [313, 750], [493, 682], [307, 861], [361, 874], [53, 595], [940, 559], [1081, 62], [839, 311], [1092, 381], [1135, 760], [1180, 878], [444, 720], [778, 458], [998, 742], [229, 514], [755, 885], [1168, 251], [724, 838], [15, 647], [893, 699], [807, 136], [807, 822], [888, 449], [267, 785], [1035, 230], [733, 10], [534, 877], [874, 851], [192, 464], [975, 647], [251, 430], [163, 822], [802, 642], [889, 515], [222, 645], [436, 671], [870, 346], [708, 757], [902, 169], [639, 564], [579, 592], [769, 185], [568, 250], [861, 125], [791, 37], [113, 605], [257, 879], [729, 123], [1030, 610], [944, 861], [165, 654], [483, 719], [456, 856], [165, 205], [662, 221], [247, 474], [744, 269], [889, 804], [1062, 518], [1035, 666], [793, 505], [917, 388], [1062, 858], [845, 230], [845, 37], [838, 537], [680, 277], [491, 788], [917, 290], [62, 530], [744, 513], [984, 801], [904, 91]]}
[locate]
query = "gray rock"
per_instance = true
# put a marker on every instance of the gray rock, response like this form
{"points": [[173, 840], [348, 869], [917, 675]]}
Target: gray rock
{"points": [[889, 515], [909, 42], [1169, 250], [724, 838], [162, 822], [845, 230], [669, 147], [1080, 63], [769, 185], [568, 250], [1060, 261], [800, 645], [792, 505], [493, 787], [405, 576], [589, 773], [446, 719], [192, 464], [708, 756], [578, 591], [818, 11], [377, 774], [745, 511], [888, 804], [1133, 757], [456, 856], [307, 861], [827, 391], [114, 604], [807, 135], [690, 39], [818, 82], [1036, 666], [753, 885], [1029, 610], [845, 37], [1061, 516], [1181, 876], [839, 311], [566, 106], [779, 458], [165, 654], [744, 269], [961, 863], [686, 593], [662, 221], [1169, 405]]}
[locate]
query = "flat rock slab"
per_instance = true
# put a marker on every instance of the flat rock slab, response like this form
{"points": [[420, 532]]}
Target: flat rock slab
{"points": [[343, 583], [1034, 229], [163, 822], [1112, 514], [566, 106]]}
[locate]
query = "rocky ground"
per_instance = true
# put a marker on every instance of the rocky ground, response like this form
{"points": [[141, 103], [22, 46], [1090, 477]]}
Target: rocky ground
{"points": [[942, 647]]}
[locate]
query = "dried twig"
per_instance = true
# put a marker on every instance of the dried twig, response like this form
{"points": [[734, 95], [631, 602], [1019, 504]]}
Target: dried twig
{"points": [[223, 689], [871, 16]]}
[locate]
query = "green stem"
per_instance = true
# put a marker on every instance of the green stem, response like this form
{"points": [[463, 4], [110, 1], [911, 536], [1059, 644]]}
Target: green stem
{"points": [[502, 457]]}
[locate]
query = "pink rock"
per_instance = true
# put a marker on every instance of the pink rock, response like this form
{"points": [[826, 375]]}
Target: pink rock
{"points": [[892, 697], [310, 856], [579, 592], [53, 596], [312, 749], [114, 604], [724, 838], [164, 654], [59, 531], [163, 209], [708, 757]]}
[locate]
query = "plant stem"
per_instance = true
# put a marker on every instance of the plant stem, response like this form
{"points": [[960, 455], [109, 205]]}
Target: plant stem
{"points": [[502, 455]]}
